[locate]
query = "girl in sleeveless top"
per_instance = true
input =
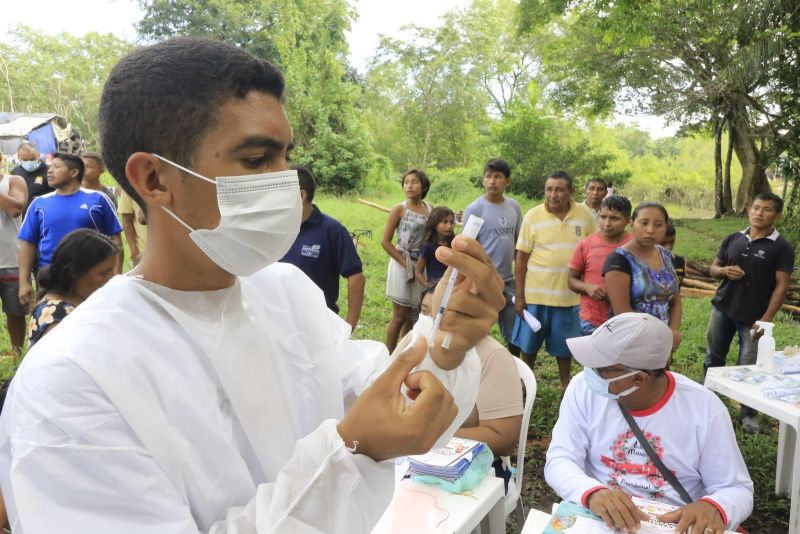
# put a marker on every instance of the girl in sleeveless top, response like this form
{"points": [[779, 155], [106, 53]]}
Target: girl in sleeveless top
{"points": [[408, 219]]}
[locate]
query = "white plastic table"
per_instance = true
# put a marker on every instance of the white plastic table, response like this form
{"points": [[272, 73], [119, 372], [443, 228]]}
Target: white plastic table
{"points": [[537, 521], [787, 472], [425, 509]]}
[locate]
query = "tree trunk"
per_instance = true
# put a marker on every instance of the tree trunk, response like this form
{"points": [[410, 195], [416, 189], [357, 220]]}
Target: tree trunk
{"points": [[719, 199], [754, 179], [726, 179]]}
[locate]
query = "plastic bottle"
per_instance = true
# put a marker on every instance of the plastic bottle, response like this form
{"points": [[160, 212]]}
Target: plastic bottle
{"points": [[766, 347]]}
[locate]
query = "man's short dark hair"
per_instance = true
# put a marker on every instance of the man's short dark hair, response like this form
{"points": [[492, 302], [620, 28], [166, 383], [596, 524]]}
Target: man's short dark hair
{"points": [[562, 175], [308, 182], [163, 98], [498, 165], [771, 197], [596, 181], [95, 156], [72, 162], [617, 202], [26, 145]]}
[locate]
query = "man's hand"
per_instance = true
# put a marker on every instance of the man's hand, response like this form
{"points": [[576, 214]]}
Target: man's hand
{"points": [[474, 303], [596, 292], [384, 426], [700, 515], [520, 304], [617, 509], [733, 272], [136, 256], [25, 293]]}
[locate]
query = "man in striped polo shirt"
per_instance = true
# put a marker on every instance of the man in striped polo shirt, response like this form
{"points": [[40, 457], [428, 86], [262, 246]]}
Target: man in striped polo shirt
{"points": [[549, 234]]}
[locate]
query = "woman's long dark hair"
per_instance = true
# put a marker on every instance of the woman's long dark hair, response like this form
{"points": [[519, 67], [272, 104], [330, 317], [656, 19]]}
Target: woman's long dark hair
{"points": [[437, 215], [78, 252]]}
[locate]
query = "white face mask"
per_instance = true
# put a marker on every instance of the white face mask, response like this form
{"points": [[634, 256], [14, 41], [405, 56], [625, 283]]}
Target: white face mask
{"points": [[599, 385], [260, 217]]}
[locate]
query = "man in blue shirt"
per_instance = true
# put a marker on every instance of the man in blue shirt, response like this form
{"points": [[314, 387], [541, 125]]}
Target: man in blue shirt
{"points": [[324, 250], [52, 216]]}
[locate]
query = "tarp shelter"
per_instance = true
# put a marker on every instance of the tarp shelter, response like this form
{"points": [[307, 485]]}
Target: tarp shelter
{"points": [[49, 132]]}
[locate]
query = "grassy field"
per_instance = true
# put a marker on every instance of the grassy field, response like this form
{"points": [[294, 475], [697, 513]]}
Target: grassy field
{"points": [[697, 238]]}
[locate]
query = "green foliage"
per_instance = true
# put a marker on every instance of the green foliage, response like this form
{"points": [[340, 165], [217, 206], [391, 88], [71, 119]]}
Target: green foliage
{"points": [[307, 40], [61, 74], [537, 144]]}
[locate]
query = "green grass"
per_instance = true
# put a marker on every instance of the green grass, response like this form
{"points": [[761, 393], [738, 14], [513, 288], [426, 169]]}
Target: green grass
{"points": [[697, 238]]}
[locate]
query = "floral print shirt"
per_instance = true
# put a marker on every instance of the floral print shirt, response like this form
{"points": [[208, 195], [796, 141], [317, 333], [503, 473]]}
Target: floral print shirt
{"points": [[48, 311]]}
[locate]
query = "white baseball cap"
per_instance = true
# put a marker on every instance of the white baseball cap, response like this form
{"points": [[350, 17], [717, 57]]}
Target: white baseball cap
{"points": [[636, 340]]}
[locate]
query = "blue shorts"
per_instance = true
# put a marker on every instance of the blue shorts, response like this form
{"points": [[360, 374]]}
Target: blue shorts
{"points": [[558, 324]]}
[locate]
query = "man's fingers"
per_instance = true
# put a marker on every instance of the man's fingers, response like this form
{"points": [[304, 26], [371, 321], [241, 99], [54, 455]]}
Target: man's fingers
{"points": [[403, 364], [433, 408], [471, 261], [670, 517]]}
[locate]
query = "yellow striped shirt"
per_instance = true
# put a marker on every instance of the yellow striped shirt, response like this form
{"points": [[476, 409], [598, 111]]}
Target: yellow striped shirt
{"points": [[550, 242]]}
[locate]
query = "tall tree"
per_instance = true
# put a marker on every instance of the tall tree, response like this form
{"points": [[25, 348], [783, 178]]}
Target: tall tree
{"points": [[421, 86], [62, 74], [715, 62], [307, 39]]}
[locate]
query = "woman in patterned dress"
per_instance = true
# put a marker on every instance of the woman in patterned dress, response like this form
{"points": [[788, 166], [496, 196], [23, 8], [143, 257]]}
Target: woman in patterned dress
{"points": [[83, 262], [639, 275]]}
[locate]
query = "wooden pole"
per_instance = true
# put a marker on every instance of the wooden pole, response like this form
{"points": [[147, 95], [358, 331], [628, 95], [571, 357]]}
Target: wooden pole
{"points": [[373, 205]]}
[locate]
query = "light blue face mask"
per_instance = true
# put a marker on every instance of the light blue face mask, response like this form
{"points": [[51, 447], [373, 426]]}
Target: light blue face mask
{"points": [[30, 166], [599, 385]]}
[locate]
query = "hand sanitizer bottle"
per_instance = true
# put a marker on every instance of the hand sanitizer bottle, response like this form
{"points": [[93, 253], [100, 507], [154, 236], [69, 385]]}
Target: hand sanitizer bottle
{"points": [[766, 347]]}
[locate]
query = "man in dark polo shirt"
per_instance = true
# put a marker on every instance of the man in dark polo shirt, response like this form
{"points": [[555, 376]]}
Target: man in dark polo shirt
{"points": [[754, 265], [324, 250], [33, 170]]}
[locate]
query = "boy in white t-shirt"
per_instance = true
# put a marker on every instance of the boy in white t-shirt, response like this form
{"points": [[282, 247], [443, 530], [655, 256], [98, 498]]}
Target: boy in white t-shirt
{"points": [[595, 459]]}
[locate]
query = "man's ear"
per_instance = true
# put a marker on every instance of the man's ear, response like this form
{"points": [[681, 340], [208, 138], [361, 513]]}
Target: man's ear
{"points": [[641, 378], [303, 195], [144, 174]]}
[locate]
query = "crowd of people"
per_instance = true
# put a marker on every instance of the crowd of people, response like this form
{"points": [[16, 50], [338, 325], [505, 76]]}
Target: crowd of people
{"points": [[215, 388]]}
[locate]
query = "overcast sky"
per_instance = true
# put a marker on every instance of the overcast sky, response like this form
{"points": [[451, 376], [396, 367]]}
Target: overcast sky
{"points": [[375, 17]]}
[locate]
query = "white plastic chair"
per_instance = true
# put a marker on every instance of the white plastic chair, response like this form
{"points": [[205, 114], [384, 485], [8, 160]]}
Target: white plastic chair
{"points": [[514, 496]]}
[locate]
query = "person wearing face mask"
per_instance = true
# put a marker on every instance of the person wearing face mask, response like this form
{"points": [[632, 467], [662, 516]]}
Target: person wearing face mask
{"points": [[211, 389], [33, 170], [495, 419], [596, 459]]}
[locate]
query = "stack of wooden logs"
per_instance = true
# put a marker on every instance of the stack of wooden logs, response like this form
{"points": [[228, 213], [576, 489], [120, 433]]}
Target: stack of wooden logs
{"points": [[698, 283]]}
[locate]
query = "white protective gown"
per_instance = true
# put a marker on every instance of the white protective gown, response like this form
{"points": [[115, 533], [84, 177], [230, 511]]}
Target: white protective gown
{"points": [[150, 410]]}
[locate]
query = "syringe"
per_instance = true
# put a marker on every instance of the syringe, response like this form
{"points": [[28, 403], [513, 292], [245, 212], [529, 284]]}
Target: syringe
{"points": [[471, 229]]}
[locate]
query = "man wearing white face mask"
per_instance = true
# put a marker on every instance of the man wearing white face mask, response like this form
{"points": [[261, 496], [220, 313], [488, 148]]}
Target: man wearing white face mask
{"points": [[211, 390], [595, 457]]}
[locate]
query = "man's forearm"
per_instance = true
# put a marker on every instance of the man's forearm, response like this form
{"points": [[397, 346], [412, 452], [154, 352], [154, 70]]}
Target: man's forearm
{"points": [[520, 270], [775, 301], [117, 239], [355, 298], [27, 257]]}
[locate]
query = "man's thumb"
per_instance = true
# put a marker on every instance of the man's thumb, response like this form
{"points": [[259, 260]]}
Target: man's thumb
{"points": [[404, 363]]}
